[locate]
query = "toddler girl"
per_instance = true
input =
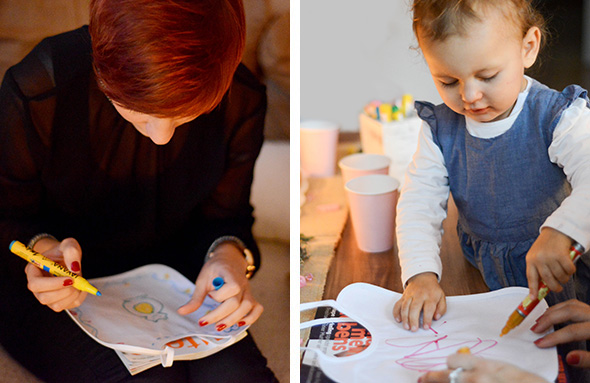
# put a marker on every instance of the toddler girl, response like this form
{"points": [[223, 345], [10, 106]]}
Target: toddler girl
{"points": [[513, 153]]}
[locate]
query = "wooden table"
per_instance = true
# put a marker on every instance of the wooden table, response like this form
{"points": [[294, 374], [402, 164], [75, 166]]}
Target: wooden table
{"points": [[351, 265]]}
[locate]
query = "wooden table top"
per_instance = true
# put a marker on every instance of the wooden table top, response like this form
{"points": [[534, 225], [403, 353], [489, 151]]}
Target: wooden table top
{"points": [[351, 265]]}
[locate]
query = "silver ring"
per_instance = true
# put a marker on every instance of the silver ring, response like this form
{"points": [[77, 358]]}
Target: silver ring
{"points": [[454, 375]]}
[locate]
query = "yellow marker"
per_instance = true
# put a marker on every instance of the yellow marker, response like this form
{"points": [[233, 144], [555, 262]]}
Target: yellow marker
{"points": [[385, 112], [407, 104], [464, 350], [54, 268], [528, 304]]}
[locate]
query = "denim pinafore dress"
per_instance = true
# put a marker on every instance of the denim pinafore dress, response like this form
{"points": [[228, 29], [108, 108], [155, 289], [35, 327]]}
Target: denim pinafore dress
{"points": [[506, 186]]}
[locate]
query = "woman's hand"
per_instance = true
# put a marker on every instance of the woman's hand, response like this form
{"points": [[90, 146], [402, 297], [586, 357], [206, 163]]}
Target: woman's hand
{"points": [[548, 260], [478, 370], [569, 311], [56, 292], [237, 303], [422, 295]]}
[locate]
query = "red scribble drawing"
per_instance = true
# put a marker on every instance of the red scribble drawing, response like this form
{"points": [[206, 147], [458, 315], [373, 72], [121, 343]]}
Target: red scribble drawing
{"points": [[426, 356]]}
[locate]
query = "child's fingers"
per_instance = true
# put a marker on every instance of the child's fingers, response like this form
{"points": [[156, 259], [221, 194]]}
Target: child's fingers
{"points": [[546, 275], [414, 314], [532, 277], [441, 308], [429, 311], [568, 266], [405, 312], [397, 308], [561, 269], [560, 274]]}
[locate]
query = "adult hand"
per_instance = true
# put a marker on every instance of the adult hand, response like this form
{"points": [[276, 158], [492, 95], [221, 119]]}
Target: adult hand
{"points": [[569, 311], [57, 292], [548, 260], [478, 370], [237, 303], [423, 295]]}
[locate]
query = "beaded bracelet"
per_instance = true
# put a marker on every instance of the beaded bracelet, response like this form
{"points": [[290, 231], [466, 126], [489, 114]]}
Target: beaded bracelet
{"points": [[33, 241], [240, 245]]}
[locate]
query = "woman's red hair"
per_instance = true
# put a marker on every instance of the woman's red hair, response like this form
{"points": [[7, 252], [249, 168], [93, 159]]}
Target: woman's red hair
{"points": [[166, 58]]}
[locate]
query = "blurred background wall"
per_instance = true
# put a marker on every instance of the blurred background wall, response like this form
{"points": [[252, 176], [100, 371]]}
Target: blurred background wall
{"points": [[354, 52]]}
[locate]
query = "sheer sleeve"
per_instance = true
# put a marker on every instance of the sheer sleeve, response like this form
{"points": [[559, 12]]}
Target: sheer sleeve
{"points": [[21, 191], [228, 210]]}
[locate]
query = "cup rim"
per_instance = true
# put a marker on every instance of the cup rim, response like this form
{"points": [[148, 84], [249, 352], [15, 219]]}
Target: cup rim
{"points": [[350, 161], [318, 125], [382, 184]]}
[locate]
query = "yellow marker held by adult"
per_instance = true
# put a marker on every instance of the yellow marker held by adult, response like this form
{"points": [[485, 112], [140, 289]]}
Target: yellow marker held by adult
{"points": [[51, 267], [528, 304]]}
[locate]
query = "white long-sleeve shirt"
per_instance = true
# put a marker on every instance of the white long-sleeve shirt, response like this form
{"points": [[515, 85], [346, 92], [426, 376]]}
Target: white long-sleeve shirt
{"points": [[423, 201]]}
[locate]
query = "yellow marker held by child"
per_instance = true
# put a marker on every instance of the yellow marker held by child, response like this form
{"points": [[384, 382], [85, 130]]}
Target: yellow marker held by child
{"points": [[51, 267]]}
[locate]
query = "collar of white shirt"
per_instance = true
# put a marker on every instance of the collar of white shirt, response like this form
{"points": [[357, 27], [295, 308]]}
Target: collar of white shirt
{"points": [[496, 128]]}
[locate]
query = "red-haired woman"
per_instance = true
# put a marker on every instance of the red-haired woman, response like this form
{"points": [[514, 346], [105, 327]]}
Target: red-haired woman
{"points": [[129, 142]]}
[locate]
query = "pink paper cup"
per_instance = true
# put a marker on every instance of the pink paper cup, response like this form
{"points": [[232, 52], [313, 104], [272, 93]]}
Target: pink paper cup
{"points": [[372, 199], [363, 164], [318, 147]]}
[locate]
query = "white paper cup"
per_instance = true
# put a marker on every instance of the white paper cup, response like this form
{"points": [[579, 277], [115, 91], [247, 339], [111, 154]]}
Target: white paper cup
{"points": [[318, 145], [363, 164], [372, 201]]}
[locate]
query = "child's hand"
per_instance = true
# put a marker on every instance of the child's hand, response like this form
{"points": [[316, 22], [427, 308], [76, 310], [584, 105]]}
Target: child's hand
{"points": [[57, 292], [238, 305], [422, 295], [548, 260]]}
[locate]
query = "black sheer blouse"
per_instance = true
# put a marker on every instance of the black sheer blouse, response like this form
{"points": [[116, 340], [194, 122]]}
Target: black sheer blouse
{"points": [[71, 166]]}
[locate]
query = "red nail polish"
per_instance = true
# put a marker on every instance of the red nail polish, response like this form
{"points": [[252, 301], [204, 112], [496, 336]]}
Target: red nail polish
{"points": [[75, 266], [221, 327], [534, 327], [538, 341], [68, 282], [241, 323], [203, 323], [573, 359]]}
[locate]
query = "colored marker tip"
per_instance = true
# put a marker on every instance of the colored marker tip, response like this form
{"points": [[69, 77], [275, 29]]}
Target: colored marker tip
{"points": [[506, 329], [217, 283], [98, 294]]}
